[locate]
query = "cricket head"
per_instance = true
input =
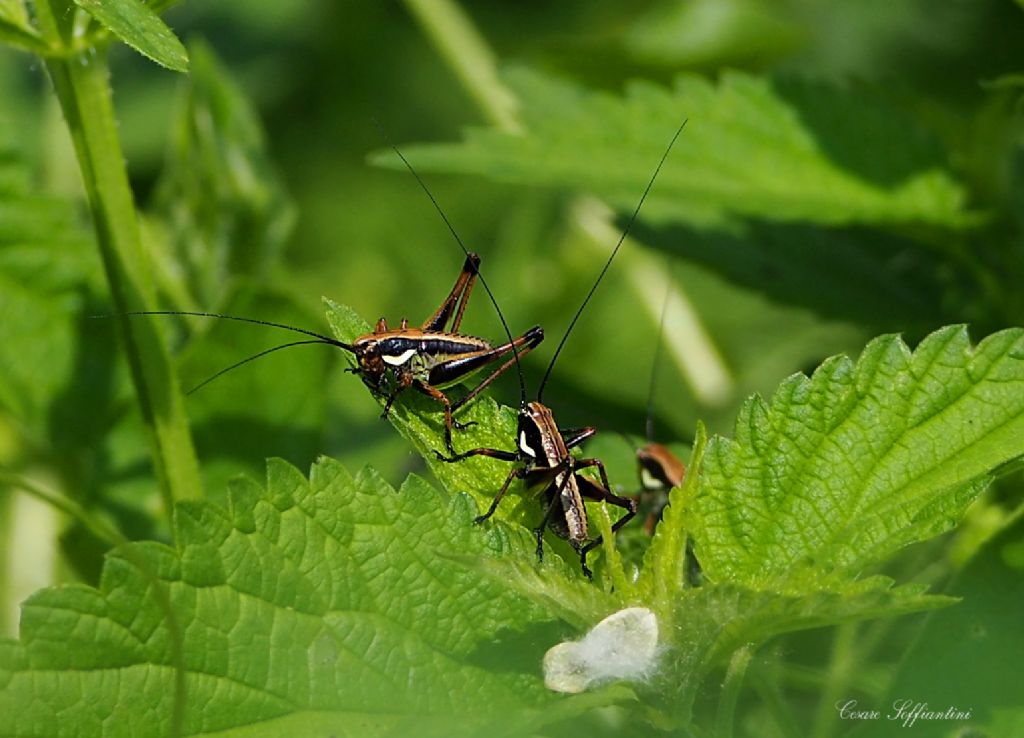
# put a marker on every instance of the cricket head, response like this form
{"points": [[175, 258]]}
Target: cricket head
{"points": [[660, 469], [534, 428]]}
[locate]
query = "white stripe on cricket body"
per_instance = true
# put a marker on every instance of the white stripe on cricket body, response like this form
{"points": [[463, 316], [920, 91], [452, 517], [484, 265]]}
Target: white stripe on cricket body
{"points": [[649, 481], [526, 446], [400, 359]]}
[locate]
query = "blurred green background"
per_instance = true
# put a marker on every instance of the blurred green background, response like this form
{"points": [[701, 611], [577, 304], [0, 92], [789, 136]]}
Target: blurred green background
{"points": [[262, 223]]}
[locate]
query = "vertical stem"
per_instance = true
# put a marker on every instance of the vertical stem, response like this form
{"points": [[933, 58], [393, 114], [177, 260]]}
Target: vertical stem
{"points": [[469, 56], [841, 666], [82, 86], [731, 688]]}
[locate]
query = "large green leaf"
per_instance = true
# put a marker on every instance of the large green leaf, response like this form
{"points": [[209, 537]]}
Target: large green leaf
{"points": [[840, 470], [322, 606], [780, 151], [821, 485]]}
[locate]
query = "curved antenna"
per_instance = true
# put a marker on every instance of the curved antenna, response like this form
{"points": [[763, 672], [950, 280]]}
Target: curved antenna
{"points": [[237, 364], [222, 316], [608, 263], [649, 422], [451, 229]]}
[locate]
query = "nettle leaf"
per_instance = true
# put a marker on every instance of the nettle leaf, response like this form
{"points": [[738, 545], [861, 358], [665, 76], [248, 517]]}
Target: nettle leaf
{"points": [[830, 478], [140, 27], [324, 606], [840, 470], [780, 151]]}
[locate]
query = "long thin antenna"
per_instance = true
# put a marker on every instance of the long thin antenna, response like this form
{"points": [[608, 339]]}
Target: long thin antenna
{"points": [[237, 364], [608, 263], [451, 228], [649, 423], [222, 316]]}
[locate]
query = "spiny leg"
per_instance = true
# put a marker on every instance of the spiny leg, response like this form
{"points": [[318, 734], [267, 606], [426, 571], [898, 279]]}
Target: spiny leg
{"points": [[516, 473], [491, 453], [592, 491], [539, 530], [463, 284], [404, 381], [521, 346], [436, 394], [587, 463], [573, 437]]}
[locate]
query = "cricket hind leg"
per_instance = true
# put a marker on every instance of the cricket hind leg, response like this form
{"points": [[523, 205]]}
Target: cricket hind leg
{"points": [[519, 347], [517, 473], [455, 303], [405, 381], [593, 491]]}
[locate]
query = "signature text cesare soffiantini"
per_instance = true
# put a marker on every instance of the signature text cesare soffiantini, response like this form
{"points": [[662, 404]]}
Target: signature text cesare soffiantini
{"points": [[906, 712]]}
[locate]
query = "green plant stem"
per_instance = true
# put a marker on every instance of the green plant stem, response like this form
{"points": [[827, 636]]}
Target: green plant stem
{"points": [[769, 689], [106, 533], [841, 666], [82, 86], [731, 688], [467, 53]]}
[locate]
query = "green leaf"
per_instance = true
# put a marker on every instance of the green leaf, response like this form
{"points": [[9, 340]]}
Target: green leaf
{"points": [[840, 470], [224, 208], [854, 274], [823, 483], [752, 148], [321, 606], [137, 25]]}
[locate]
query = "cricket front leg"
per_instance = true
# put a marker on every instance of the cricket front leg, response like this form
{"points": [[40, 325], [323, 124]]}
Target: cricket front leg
{"points": [[436, 394], [405, 380]]}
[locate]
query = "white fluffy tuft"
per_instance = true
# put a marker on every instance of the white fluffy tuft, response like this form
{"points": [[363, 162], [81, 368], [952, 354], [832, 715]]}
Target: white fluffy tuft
{"points": [[623, 646]]}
